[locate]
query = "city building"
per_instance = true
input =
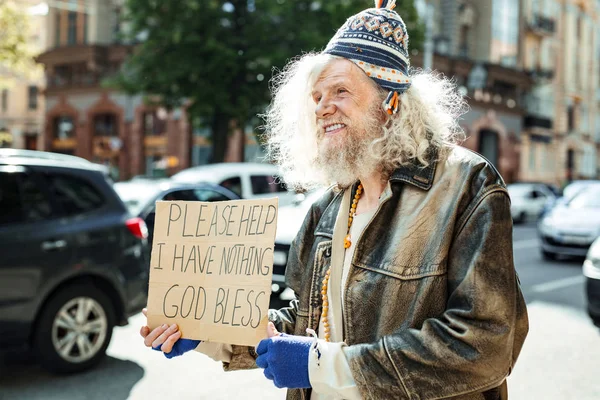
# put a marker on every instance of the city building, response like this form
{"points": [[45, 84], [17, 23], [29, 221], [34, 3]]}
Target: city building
{"points": [[21, 101], [477, 44], [83, 117], [577, 89], [561, 52]]}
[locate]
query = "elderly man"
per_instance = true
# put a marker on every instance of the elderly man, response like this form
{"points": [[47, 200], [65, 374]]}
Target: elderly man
{"points": [[403, 270]]}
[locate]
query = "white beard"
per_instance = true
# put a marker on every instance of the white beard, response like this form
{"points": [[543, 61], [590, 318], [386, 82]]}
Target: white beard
{"points": [[344, 159]]}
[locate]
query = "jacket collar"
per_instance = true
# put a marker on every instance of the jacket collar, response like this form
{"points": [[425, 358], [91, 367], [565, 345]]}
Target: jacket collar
{"points": [[416, 173]]}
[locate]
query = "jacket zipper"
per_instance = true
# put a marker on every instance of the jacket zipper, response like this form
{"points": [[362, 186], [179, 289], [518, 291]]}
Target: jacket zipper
{"points": [[347, 284]]}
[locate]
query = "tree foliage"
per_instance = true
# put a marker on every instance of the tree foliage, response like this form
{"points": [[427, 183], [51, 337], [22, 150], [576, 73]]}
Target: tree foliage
{"points": [[219, 55], [15, 55]]}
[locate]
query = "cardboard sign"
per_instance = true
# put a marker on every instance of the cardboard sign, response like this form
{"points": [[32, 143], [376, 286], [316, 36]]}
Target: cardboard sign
{"points": [[211, 269]]}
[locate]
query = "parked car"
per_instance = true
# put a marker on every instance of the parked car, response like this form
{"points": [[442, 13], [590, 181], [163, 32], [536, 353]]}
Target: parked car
{"points": [[73, 259], [591, 270], [528, 200], [247, 180], [567, 194], [570, 229], [141, 196], [289, 222]]}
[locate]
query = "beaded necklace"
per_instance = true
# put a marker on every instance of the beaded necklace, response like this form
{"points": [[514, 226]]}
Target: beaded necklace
{"points": [[347, 244]]}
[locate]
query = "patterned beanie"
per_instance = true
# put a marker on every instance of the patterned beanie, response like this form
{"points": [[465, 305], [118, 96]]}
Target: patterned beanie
{"points": [[377, 42]]}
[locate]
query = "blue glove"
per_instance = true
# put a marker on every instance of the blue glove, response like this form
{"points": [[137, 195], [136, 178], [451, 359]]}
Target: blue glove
{"points": [[285, 360], [181, 346]]}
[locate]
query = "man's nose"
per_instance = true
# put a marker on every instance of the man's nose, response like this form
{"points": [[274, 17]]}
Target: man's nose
{"points": [[325, 108]]}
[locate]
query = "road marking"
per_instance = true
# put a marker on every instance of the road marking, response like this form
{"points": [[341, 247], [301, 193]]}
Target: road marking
{"points": [[526, 244], [558, 284]]}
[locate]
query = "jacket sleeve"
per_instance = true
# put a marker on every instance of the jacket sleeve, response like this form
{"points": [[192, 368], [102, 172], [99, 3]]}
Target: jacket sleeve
{"points": [[473, 345]]}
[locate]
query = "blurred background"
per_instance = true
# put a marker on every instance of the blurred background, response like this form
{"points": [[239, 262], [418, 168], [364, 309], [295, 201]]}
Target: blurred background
{"points": [[107, 106]]}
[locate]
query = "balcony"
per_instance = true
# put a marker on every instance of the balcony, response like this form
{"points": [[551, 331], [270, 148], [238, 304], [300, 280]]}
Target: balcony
{"points": [[545, 74], [534, 121], [81, 66], [542, 25]]}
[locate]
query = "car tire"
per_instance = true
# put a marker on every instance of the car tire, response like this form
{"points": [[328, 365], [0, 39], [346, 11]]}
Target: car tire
{"points": [[548, 256], [69, 317]]}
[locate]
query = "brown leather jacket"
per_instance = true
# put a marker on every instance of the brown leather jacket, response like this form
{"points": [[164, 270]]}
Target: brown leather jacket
{"points": [[433, 308]]}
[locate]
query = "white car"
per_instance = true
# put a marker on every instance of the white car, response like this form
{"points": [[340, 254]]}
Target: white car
{"points": [[247, 180], [289, 222], [591, 271], [527, 200], [569, 229]]}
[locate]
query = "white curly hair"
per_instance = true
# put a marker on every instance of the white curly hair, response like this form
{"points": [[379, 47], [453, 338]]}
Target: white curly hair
{"points": [[428, 116]]}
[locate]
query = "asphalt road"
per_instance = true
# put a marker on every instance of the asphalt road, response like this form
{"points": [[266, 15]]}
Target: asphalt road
{"points": [[559, 359]]}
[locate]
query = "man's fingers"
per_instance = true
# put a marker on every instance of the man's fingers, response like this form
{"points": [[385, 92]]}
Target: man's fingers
{"points": [[271, 330], [154, 334], [163, 337], [167, 346], [145, 312], [144, 331]]}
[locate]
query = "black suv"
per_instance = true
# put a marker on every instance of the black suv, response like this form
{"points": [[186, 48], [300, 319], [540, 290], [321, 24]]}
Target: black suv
{"points": [[74, 262]]}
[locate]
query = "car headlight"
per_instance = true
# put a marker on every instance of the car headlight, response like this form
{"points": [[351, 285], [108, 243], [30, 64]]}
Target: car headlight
{"points": [[547, 226], [279, 257], [591, 266]]}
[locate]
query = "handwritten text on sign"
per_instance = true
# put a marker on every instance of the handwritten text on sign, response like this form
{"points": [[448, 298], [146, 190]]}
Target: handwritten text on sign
{"points": [[211, 268]]}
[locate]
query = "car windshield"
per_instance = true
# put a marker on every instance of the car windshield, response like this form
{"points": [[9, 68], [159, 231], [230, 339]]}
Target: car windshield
{"points": [[588, 198], [136, 195]]}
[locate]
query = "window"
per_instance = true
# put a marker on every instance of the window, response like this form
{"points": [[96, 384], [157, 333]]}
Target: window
{"points": [[153, 125], [64, 128], [537, 194], [85, 28], [532, 166], [210, 195], [75, 195], [181, 195], [571, 118], [32, 99], [105, 125], [233, 184], [57, 29], [264, 184], [22, 200], [72, 28], [11, 208], [4, 100]]}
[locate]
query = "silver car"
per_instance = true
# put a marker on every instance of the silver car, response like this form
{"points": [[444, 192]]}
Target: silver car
{"points": [[569, 229]]}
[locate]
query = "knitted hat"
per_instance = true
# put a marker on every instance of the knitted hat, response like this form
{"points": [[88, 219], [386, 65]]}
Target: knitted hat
{"points": [[376, 41]]}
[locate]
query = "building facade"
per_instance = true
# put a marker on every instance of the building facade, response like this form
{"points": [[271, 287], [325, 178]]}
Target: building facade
{"points": [[561, 51], [547, 99], [21, 100], [477, 44], [84, 118]]}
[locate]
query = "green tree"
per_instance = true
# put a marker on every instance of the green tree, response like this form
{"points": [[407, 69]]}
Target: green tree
{"points": [[219, 56], [15, 55]]}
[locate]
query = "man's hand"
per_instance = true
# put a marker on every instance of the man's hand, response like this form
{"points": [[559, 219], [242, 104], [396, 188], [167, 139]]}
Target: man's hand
{"points": [[284, 359], [167, 339]]}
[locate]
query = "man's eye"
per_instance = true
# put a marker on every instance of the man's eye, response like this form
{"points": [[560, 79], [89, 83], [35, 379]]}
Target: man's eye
{"points": [[341, 90], [318, 99]]}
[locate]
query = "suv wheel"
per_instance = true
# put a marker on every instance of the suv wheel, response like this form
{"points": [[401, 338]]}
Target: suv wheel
{"points": [[74, 329]]}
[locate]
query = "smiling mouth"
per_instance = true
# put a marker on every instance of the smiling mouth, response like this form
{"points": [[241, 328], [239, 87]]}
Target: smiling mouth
{"points": [[331, 129]]}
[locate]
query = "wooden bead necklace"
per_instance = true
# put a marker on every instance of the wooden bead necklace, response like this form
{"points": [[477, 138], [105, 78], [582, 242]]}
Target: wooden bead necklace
{"points": [[347, 244]]}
